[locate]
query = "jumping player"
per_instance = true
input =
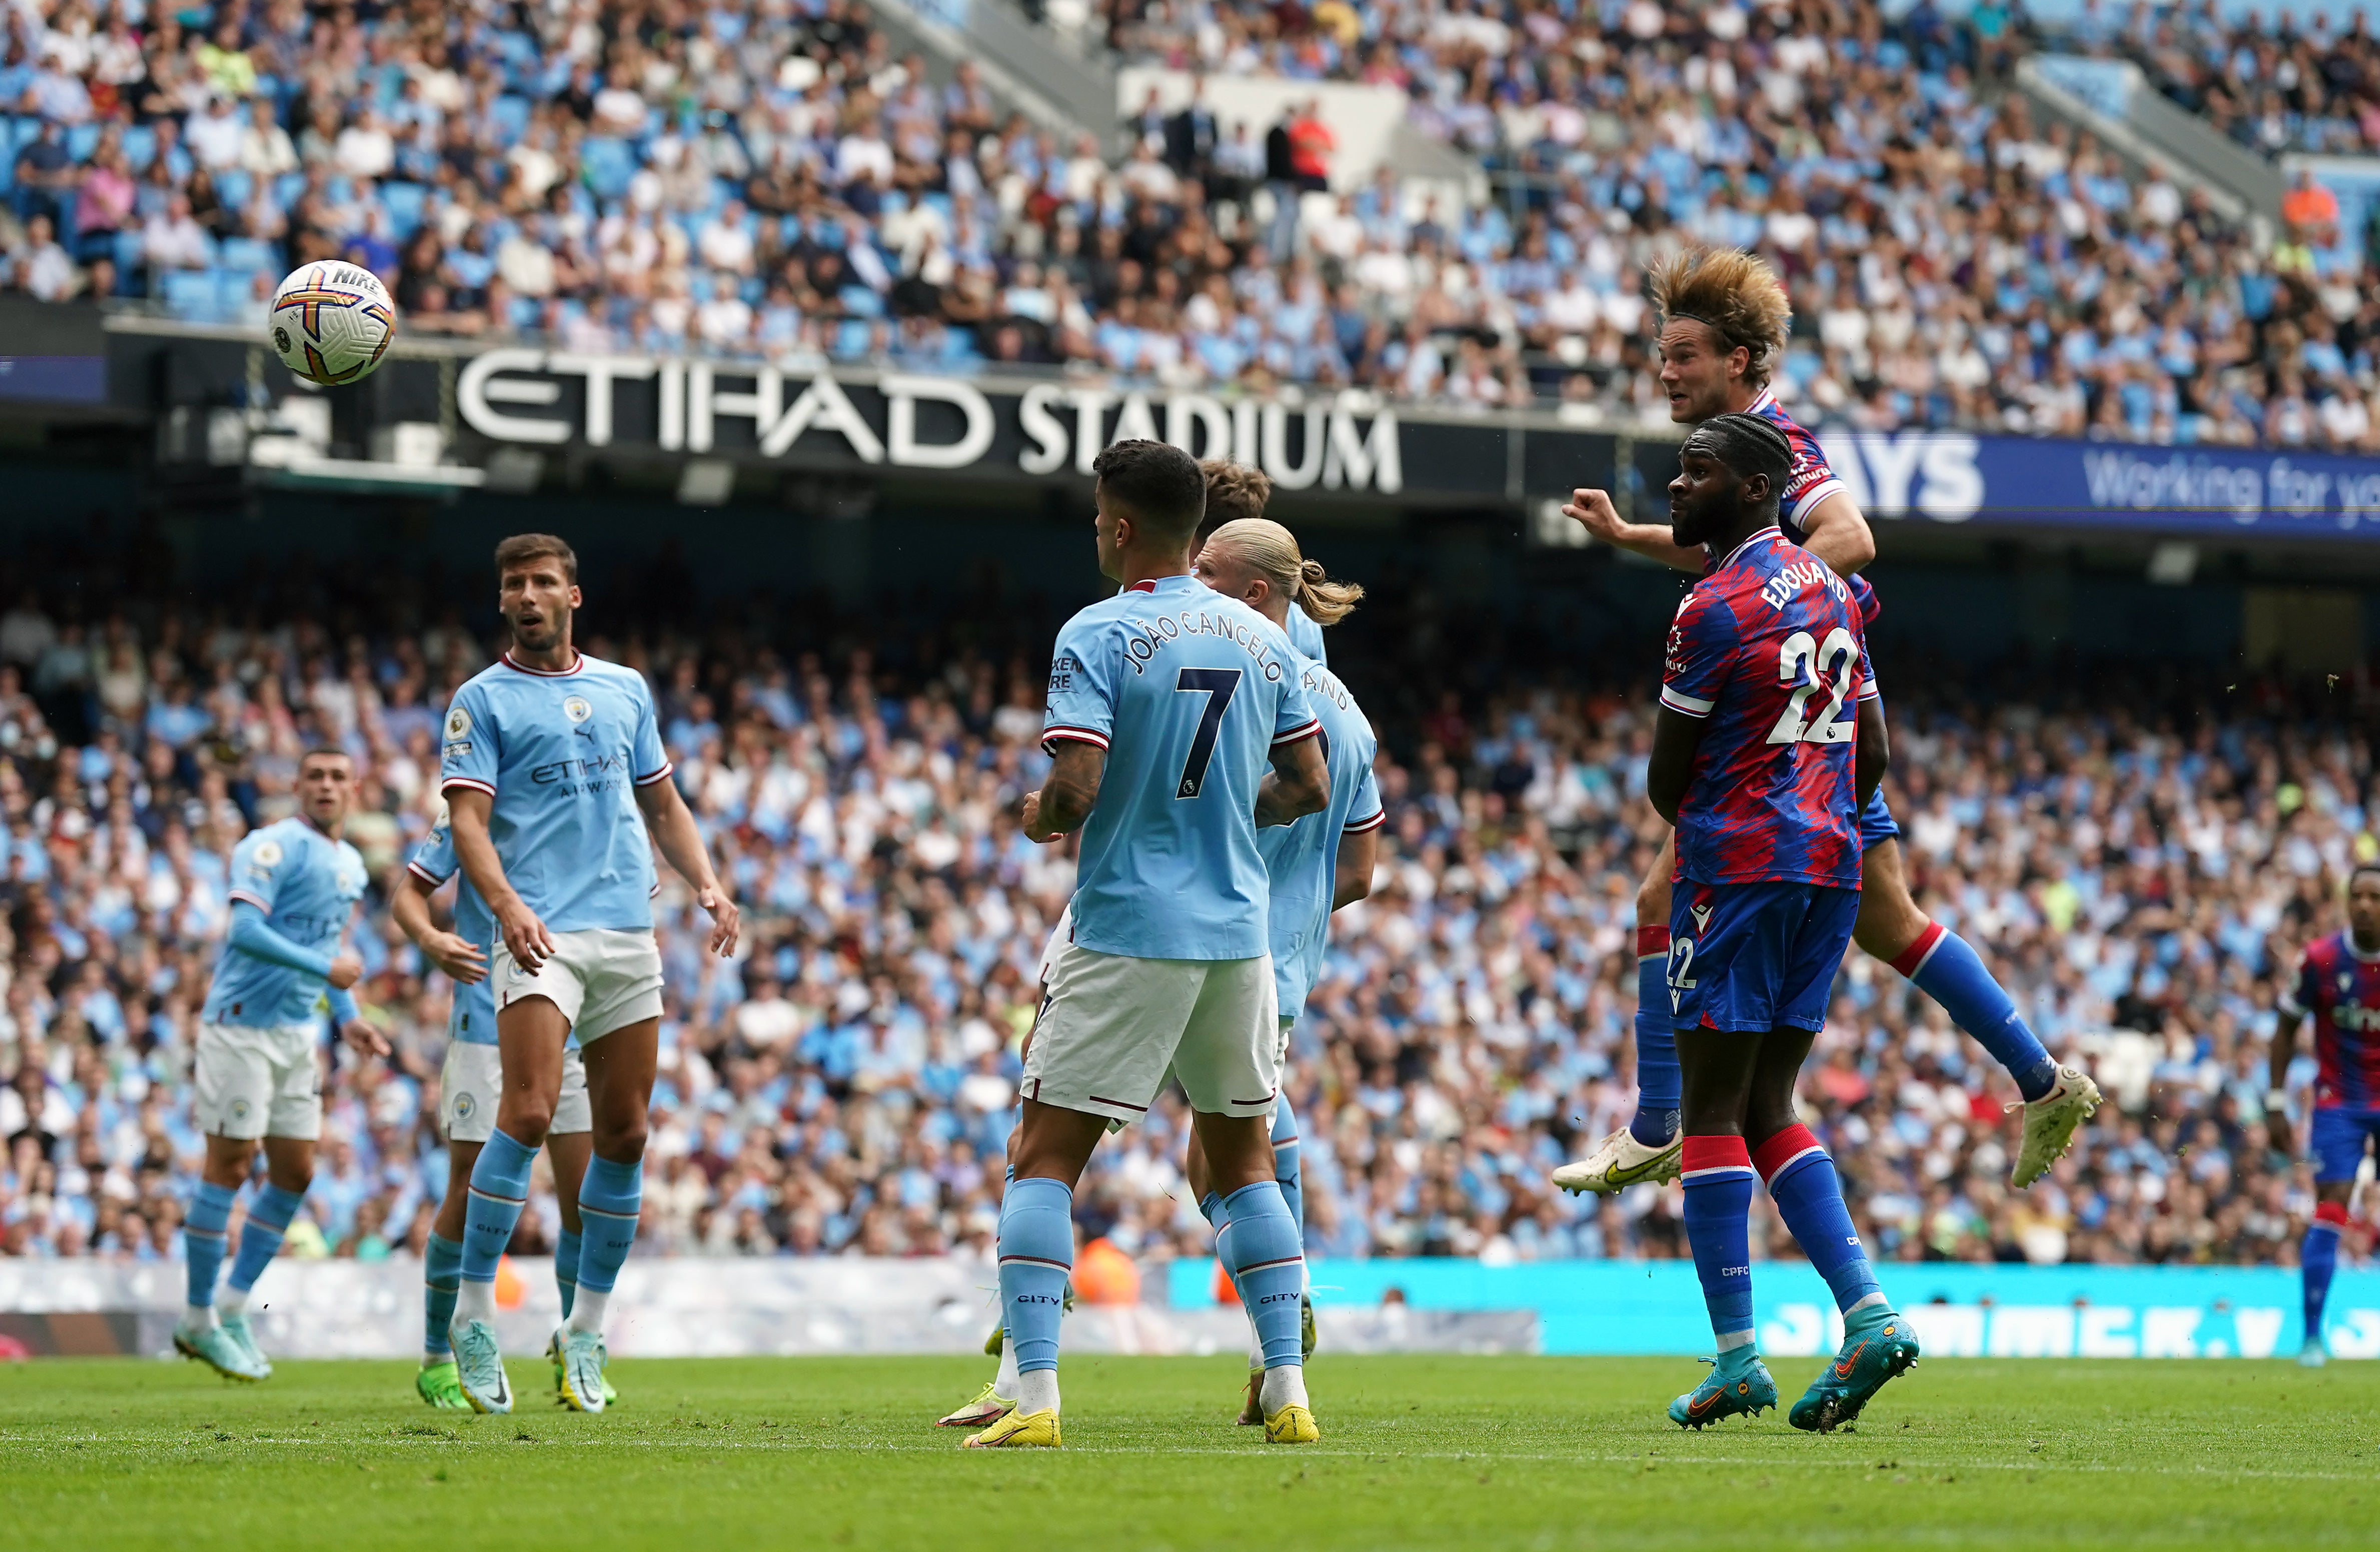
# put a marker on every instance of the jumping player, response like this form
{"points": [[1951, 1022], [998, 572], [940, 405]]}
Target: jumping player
{"points": [[1764, 714], [1723, 320], [558, 794], [294, 886], [1166, 703], [469, 1084], [2338, 986]]}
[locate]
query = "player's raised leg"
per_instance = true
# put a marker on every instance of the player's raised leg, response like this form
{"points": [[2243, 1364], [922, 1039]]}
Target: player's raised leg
{"points": [[1647, 1148], [2058, 1099]]}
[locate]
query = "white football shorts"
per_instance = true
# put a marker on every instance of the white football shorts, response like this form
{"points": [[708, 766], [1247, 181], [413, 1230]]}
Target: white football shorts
{"points": [[472, 1081], [603, 979], [259, 1082], [1111, 1023]]}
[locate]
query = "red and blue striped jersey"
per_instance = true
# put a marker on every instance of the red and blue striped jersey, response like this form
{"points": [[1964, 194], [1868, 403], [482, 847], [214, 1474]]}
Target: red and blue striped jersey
{"points": [[1810, 479], [1770, 646], [2340, 988]]}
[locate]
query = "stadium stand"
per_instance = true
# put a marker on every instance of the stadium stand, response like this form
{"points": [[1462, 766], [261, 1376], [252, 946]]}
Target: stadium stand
{"points": [[767, 180], [2142, 852]]}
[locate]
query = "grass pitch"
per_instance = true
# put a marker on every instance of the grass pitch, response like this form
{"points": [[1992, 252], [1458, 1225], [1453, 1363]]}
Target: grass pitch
{"points": [[722, 1455]]}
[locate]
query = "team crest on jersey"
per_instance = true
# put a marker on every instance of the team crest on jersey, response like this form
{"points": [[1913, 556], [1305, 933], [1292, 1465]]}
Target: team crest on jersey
{"points": [[459, 724], [2346, 981], [267, 855], [576, 709]]}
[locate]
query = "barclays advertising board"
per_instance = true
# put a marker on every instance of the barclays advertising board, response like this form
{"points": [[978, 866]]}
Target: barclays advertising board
{"points": [[1959, 1311], [2050, 483]]}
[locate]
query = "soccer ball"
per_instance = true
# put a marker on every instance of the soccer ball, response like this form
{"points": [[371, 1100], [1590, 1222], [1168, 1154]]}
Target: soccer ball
{"points": [[331, 322]]}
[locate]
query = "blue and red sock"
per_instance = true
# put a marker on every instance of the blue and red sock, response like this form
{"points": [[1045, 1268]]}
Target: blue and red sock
{"points": [[1718, 1184], [2318, 1259], [1659, 1083], [1943, 966], [1809, 1197]]}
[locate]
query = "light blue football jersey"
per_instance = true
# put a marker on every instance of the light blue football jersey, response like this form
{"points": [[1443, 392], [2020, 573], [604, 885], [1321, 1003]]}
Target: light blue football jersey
{"points": [[1305, 635], [561, 754], [1189, 693], [306, 884], [1302, 860], [473, 1019]]}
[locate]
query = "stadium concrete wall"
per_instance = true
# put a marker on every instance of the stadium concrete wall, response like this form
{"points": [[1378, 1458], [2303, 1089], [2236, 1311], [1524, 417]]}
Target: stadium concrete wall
{"points": [[782, 1306]]}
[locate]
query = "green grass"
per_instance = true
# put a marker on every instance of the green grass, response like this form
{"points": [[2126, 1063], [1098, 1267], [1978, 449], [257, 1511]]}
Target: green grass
{"points": [[1505, 1453]]}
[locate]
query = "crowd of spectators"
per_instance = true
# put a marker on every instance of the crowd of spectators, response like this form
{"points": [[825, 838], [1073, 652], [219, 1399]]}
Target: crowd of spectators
{"points": [[2141, 856], [765, 179]]}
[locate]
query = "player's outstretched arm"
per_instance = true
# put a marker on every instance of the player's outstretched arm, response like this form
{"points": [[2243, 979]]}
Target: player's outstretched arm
{"points": [[1676, 735], [457, 956], [253, 935], [525, 936], [1836, 532], [1300, 784], [1593, 510], [1874, 753], [2277, 1130], [1068, 793], [673, 830], [1359, 855]]}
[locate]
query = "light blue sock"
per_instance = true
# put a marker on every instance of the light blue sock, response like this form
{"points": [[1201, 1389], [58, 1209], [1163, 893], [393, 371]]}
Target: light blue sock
{"points": [[1261, 1246], [1943, 966], [609, 1200], [441, 1271], [1210, 1207], [1036, 1256], [260, 1241], [498, 1192], [1659, 1083], [1286, 1170], [565, 1268], [203, 1235]]}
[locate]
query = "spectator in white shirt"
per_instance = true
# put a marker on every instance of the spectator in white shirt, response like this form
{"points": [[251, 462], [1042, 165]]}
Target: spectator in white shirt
{"points": [[43, 269], [215, 136], [172, 241], [264, 146], [726, 240], [724, 322], [365, 148]]}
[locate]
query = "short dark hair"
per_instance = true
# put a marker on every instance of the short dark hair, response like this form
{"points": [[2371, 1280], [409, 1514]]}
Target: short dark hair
{"points": [[2359, 869], [522, 548], [326, 752], [1748, 445], [1157, 484]]}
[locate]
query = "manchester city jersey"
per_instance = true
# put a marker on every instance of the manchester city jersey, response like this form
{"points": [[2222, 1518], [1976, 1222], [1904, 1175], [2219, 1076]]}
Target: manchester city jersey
{"points": [[473, 1020], [306, 884], [1306, 634], [1188, 692], [1302, 860], [561, 754]]}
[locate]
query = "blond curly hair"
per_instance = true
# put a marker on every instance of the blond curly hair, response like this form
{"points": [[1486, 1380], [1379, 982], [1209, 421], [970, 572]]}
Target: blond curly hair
{"points": [[1732, 293]]}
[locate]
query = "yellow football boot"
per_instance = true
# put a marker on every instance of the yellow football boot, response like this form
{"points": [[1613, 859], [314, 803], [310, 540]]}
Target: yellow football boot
{"points": [[1037, 1430]]}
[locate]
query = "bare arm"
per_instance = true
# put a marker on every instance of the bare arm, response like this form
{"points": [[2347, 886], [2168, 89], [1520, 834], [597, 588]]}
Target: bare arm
{"points": [[1837, 532], [1593, 510], [1300, 784], [1068, 792], [1359, 855], [1875, 749], [2278, 1130], [673, 828], [523, 935], [457, 956], [1676, 735]]}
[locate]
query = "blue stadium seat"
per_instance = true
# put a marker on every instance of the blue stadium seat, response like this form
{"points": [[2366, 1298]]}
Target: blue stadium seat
{"points": [[128, 252], [610, 163], [190, 295], [510, 117], [288, 188], [246, 256], [403, 203], [82, 141], [234, 187]]}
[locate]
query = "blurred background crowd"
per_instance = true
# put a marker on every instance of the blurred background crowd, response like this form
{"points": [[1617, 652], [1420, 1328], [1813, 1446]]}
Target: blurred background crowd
{"points": [[2141, 852], [768, 180]]}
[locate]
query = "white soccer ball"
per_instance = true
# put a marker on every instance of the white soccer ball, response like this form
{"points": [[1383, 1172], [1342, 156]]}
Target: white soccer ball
{"points": [[331, 322]]}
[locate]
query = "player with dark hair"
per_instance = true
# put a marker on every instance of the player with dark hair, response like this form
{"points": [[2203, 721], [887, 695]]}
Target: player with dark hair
{"points": [[1723, 329], [1167, 703], [294, 886], [1764, 747], [2338, 986]]}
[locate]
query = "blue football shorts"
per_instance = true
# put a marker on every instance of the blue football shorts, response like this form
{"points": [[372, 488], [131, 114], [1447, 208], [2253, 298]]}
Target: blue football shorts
{"points": [[1876, 820], [2336, 1137], [1755, 957]]}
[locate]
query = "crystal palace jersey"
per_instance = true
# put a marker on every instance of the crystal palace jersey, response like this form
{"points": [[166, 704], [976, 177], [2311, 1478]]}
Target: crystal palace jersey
{"points": [[2339, 987], [1810, 479], [559, 753], [1769, 647], [1189, 693]]}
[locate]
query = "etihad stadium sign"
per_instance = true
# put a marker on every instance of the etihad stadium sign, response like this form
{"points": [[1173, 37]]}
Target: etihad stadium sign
{"points": [[1343, 442]]}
